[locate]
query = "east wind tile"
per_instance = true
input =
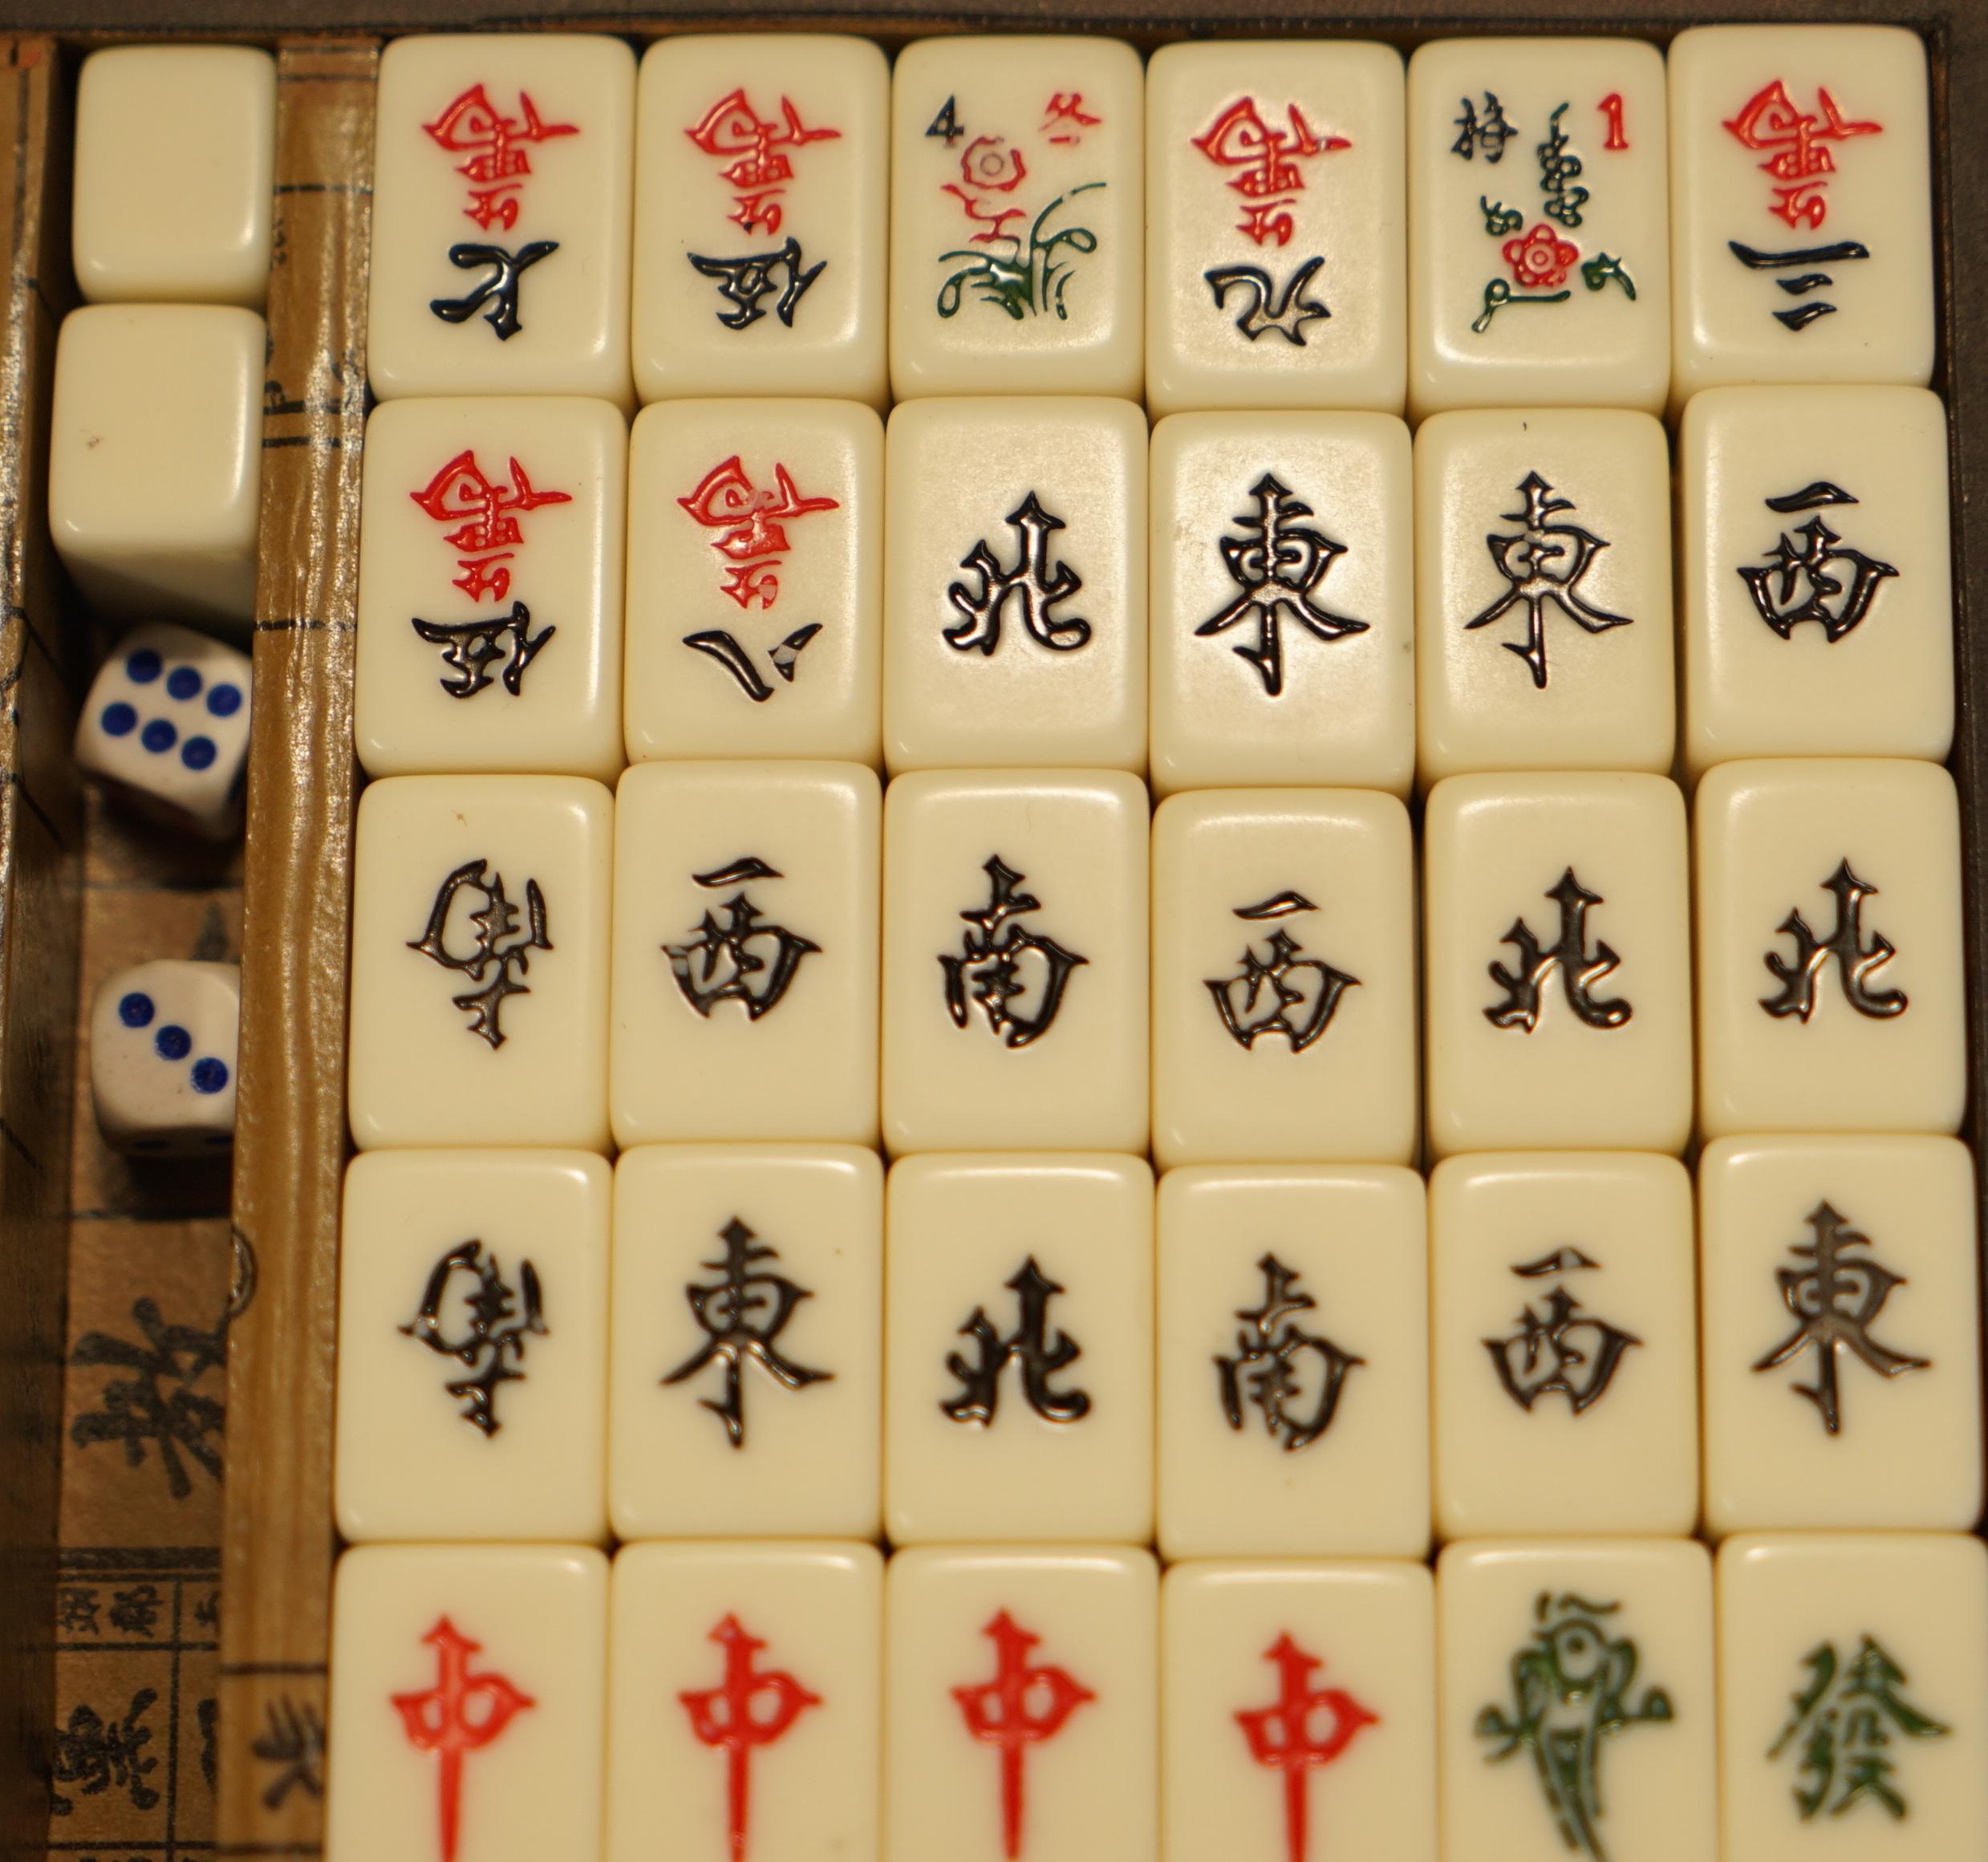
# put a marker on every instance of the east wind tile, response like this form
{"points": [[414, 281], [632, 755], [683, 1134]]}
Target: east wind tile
{"points": [[1299, 1712], [745, 1696], [1538, 240], [1802, 215], [1565, 1342], [1576, 1700], [1017, 217], [1293, 1363], [1557, 959], [756, 581], [1282, 606], [1275, 252], [1831, 986], [472, 1327], [1283, 978], [762, 171], [502, 184], [746, 902], [747, 1381], [490, 587], [480, 933], [1817, 597], [1852, 1710], [1842, 1352]]}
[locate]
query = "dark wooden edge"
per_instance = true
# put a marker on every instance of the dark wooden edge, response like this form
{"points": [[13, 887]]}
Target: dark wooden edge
{"points": [[40, 842], [277, 1536]]}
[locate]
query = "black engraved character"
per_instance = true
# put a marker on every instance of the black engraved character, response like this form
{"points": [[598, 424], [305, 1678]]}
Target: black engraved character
{"points": [[1002, 963], [1812, 570], [1801, 262], [1566, 1352], [1578, 972], [1835, 1299], [743, 281], [1545, 562], [1490, 132], [724, 646], [1277, 566], [1284, 993], [1266, 306], [499, 289], [1028, 1346], [740, 960], [1856, 963], [497, 957], [1272, 1351], [742, 1314], [471, 648], [1031, 581], [494, 1329], [1557, 169]]}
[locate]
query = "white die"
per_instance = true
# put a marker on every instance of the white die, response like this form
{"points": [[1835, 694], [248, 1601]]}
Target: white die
{"points": [[166, 728], [162, 1057]]}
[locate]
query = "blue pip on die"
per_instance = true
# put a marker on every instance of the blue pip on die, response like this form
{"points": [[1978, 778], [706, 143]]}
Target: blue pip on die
{"points": [[162, 1057], [165, 728]]}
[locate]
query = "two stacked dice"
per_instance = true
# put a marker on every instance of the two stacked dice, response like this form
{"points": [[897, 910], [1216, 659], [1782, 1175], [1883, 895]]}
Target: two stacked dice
{"points": [[746, 1355]]}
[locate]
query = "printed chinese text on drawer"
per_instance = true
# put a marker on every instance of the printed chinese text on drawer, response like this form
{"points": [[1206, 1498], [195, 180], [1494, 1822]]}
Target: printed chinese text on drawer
{"points": [[1565, 1345], [1283, 606], [1284, 977], [747, 1392], [1015, 1007], [175, 149], [490, 586], [745, 952], [469, 1689], [480, 945], [1543, 593], [1293, 1361], [1802, 204], [1823, 505], [745, 1715], [502, 180], [1575, 1700], [1299, 1712], [1015, 584], [1040, 1425], [1277, 253], [473, 1330], [1854, 1704], [1021, 1697], [1557, 963], [756, 580], [1842, 1344], [762, 175], [1017, 217], [1830, 990], [1539, 248]]}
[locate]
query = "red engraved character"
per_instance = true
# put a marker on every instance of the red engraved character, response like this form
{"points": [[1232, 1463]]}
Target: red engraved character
{"points": [[461, 1713], [1282, 1736], [1266, 161], [751, 523], [989, 168], [1539, 261], [1065, 114], [750, 1707], [732, 127], [495, 144], [1021, 1707], [1772, 121], [486, 514]]}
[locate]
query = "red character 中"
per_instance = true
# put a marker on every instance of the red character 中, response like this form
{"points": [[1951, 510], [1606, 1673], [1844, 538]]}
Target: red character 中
{"points": [[1266, 160], [495, 144], [1281, 1736], [999, 1712], [442, 1721], [732, 127], [487, 532], [1771, 120], [750, 1707], [752, 526]]}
